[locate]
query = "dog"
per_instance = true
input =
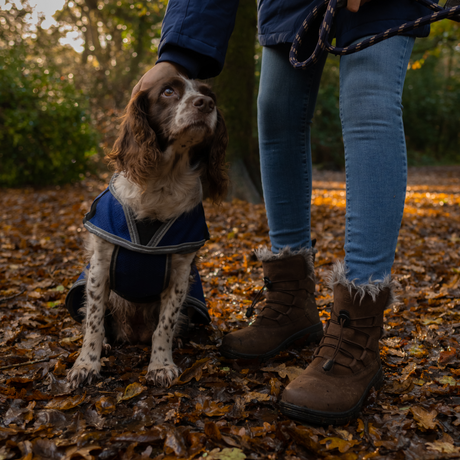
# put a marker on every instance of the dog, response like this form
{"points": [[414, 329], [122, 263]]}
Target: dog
{"points": [[171, 137]]}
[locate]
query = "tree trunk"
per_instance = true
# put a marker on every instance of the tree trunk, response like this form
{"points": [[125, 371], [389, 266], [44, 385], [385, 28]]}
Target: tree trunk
{"points": [[234, 88]]}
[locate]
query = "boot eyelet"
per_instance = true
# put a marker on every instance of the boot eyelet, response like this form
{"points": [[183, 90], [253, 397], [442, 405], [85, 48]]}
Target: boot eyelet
{"points": [[267, 283], [328, 365], [345, 316]]}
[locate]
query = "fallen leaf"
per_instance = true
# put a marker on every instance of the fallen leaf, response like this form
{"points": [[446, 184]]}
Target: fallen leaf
{"points": [[304, 436], [254, 395], [196, 441], [417, 350], [68, 340], [408, 370], [60, 368], [105, 405], [94, 419], [212, 430], [447, 380], [396, 352], [443, 447], [135, 389], [376, 453], [65, 402], [338, 443], [174, 442], [76, 452], [447, 356], [399, 388], [424, 419], [213, 409], [275, 386], [193, 372], [344, 434], [292, 372], [144, 437], [226, 454], [428, 321], [35, 295]]}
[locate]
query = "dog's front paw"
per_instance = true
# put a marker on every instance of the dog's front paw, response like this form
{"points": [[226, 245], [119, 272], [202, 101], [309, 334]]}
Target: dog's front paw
{"points": [[82, 372], [162, 376]]}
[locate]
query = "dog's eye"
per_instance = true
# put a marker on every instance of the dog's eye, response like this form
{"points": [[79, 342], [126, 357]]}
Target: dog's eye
{"points": [[168, 92]]}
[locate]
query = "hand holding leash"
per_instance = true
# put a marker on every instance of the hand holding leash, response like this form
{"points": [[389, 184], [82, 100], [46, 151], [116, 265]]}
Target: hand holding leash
{"points": [[328, 8], [352, 5]]}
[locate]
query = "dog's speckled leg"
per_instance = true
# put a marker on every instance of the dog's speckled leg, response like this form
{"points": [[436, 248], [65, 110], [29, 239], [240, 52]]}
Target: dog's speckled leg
{"points": [[88, 364], [162, 370]]}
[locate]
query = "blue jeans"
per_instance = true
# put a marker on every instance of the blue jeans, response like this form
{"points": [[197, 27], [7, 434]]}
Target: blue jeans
{"points": [[371, 84]]}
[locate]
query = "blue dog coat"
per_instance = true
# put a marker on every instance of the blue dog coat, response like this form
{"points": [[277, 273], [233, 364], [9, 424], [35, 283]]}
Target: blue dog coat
{"points": [[141, 260]]}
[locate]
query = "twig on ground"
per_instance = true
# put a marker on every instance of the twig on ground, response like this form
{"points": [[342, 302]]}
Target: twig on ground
{"points": [[4, 299], [11, 366]]}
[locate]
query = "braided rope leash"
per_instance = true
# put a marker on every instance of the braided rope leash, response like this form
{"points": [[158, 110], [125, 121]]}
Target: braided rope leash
{"points": [[328, 9]]}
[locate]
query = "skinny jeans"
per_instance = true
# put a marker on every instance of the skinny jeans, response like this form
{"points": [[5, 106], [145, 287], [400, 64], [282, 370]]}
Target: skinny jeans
{"points": [[371, 85]]}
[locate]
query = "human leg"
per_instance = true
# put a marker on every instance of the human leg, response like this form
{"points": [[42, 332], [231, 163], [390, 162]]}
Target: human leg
{"points": [[375, 155], [347, 362], [286, 105]]}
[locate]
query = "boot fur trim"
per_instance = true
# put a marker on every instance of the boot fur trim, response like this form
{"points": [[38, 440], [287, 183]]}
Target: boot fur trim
{"points": [[338, 275], [265, 255]]}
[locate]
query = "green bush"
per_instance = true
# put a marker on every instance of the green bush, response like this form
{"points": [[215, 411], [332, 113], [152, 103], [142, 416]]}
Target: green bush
{"points": [[431, 118], [45, 132], [326, 130]]}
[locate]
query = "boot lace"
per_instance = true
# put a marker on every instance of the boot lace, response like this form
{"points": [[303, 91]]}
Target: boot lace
{"points": [[344, 321], [257, 298]]}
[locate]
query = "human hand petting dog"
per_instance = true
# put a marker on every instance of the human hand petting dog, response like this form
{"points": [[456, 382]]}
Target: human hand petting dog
{"points": [[162, 69], [156, 73], [354, 5]]}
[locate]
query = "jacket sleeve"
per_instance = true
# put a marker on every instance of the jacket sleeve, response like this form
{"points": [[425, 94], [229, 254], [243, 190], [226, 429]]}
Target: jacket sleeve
{"points": [[195, 34]]}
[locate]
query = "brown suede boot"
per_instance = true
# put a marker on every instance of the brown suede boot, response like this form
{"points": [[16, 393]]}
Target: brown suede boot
{"points": [[290, 311], [332, 389]]}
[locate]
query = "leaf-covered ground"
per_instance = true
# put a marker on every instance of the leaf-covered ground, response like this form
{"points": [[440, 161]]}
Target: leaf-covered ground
{"points": [[223, 409]]}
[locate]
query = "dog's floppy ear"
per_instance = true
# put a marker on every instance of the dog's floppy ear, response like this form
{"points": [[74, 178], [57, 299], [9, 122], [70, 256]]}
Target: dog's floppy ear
{"points": [[136, 151], [216, 172]]}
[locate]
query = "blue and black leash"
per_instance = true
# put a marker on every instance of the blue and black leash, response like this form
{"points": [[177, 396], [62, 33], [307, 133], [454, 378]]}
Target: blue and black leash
{"points": [[328, 8]]}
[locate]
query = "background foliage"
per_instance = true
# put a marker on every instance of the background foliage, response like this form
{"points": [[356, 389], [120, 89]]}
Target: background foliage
{"points": [[45, 132], [431, 99], [60, 107]]}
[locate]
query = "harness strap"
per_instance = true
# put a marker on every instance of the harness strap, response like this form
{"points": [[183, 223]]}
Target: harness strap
{"points": [[328, 9]]}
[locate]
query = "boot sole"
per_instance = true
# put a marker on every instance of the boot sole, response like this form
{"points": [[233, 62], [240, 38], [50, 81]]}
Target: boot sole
{"points": [[311, 334], [330, 418]]}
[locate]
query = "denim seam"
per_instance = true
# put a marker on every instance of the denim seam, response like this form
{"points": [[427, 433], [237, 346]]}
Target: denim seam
{"points": [[402, 73], [347, 191], [307, 206]]}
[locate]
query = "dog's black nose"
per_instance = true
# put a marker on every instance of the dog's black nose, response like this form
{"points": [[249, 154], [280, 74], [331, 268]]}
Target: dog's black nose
{"points": [[204, 104]]}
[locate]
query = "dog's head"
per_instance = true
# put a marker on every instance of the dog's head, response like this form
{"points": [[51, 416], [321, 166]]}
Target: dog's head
{"points": [[176, 115]]}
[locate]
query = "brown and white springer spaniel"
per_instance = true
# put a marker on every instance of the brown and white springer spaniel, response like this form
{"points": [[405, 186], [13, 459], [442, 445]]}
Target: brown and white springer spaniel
{"points": [[171, 136]]}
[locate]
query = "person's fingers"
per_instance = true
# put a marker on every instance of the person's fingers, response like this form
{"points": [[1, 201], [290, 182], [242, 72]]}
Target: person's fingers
{"points": [[353, 5]]}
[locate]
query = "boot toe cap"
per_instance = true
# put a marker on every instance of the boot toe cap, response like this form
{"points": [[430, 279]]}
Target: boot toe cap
{"points": [[311, 394], [235, 344]]}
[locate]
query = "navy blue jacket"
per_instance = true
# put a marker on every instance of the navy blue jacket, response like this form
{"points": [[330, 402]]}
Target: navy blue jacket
{"points": [[195, 33], [141, 261]]}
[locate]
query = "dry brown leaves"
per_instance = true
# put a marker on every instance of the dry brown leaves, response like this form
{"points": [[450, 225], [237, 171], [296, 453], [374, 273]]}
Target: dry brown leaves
{"points": [[222, 409]]}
